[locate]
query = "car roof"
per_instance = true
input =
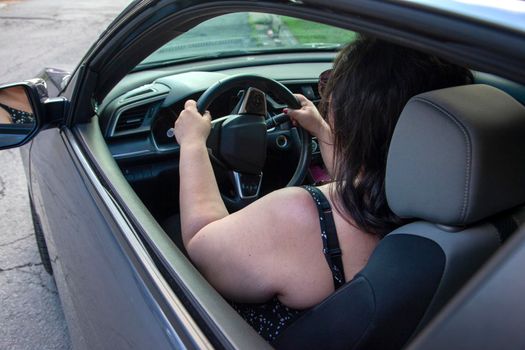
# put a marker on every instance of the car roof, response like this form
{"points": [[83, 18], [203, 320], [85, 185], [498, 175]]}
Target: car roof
{"points": [[509, 14]]}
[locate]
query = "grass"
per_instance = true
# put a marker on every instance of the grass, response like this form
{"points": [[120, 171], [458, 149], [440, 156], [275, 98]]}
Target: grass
{"points": [[310, 32]]}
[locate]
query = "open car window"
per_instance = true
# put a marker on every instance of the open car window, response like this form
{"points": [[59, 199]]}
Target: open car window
{"points": [[242, 33]]}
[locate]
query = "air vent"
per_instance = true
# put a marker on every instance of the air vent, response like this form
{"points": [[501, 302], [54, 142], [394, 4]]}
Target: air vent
{"points": [[131, 119]]}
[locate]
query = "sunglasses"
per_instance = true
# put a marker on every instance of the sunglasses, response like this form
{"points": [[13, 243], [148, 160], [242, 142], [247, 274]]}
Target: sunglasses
{"points": [[323, 81]]}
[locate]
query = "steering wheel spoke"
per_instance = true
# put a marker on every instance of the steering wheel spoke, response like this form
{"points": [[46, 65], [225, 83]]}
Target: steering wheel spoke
{"points": [[246, 189], [253, 102], [247, 186]]}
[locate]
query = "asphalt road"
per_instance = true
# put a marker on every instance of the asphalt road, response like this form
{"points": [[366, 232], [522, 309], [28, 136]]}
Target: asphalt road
{"points": [[36, 34]]}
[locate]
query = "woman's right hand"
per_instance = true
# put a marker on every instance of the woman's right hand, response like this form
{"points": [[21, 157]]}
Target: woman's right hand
{"points": [[310, 119], [191, 126]]}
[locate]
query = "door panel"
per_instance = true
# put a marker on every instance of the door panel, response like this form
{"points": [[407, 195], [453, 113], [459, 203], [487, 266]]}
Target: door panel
{"points": [[105, 300]]}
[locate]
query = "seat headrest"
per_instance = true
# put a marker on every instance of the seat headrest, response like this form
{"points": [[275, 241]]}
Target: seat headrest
{"points": [[457, 156]]}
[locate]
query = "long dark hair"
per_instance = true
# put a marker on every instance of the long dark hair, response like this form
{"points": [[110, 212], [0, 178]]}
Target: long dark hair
{"points": [[371, 82]]}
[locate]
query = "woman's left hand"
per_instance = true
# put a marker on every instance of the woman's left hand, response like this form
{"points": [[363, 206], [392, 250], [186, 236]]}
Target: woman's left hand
{"points": [[191, 126]]}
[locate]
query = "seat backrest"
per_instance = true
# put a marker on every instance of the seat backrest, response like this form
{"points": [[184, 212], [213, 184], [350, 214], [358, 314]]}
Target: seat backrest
{"points": [[457, 163]]}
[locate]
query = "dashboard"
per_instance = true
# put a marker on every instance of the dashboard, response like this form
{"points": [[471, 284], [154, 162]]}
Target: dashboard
{"points": [[136, 123], [137, 114]]}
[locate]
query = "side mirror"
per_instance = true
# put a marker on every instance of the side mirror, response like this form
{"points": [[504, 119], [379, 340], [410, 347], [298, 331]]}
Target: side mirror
{"points": [[22, 112]]}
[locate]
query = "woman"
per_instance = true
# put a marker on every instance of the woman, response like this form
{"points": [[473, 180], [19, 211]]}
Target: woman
{"points": [[269, 255]]}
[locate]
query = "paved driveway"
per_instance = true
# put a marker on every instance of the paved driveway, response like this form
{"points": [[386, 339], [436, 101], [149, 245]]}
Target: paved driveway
{"points": [[35, 34]]}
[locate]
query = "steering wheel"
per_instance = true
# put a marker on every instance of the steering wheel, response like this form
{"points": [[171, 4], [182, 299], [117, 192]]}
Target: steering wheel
{"points": [[238, 142]]}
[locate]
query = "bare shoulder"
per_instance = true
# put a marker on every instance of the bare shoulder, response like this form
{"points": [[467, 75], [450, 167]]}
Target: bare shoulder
{"points": [[288, 200], [287, 208], [287, 193]]}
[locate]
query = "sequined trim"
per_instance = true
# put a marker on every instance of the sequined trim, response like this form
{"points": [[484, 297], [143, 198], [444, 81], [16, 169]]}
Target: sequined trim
{"points": [[18, 116], [268, 319]]}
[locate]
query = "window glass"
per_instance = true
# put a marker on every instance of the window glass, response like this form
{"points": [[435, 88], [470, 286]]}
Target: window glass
{"points": [[243, 33]]}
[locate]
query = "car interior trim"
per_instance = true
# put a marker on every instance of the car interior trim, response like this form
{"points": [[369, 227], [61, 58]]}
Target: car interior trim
{"points": [[487, 13], [133, 154], [243, 193]]}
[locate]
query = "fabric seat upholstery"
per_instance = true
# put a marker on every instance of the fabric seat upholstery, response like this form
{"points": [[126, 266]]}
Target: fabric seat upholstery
{"points": [[456, 164]]}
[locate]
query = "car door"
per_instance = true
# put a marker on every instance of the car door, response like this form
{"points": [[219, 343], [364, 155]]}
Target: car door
{"points": [[112, 293], [101, 269]]}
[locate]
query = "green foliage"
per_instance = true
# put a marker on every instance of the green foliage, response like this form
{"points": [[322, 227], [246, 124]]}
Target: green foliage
{"points": [[310, 32]]}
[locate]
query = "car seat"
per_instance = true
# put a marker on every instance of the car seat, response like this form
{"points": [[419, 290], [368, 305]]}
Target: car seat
{"points": [[456, 163]]}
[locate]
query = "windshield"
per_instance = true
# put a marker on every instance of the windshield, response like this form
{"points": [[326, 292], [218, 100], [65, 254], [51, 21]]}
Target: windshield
{"points": [[249, 33]]}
